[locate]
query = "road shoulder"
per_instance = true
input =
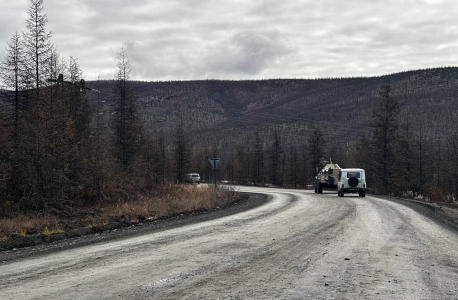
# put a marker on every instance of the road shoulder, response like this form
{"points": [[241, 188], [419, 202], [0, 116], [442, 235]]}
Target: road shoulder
{"points": [[440, 213], [21, 247]]}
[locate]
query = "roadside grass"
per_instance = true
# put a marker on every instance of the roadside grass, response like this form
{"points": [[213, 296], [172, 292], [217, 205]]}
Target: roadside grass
{"points": [[435, 195], [28, 224], [170, 200], [161, 202]]}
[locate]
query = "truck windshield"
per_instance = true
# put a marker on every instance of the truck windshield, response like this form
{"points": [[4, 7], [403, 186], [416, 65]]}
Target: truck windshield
{"points": [[353, 174]]}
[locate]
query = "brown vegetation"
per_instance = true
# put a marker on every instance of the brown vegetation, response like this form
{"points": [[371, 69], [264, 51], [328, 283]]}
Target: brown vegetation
{"points": [[168, 200]]}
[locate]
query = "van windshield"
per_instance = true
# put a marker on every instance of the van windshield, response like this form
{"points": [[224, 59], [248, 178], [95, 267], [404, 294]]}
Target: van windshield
{"points": [[195, 175], [353, 174]]}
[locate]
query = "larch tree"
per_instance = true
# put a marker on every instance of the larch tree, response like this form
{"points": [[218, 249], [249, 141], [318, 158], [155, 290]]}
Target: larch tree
{"points": [[181, 152], [453, 172], [79, 113], [126, 121], [13, 72], [384, 137], [37, 52], [161, 161], [293, 165], [38, 46], [275, 152], [316, 145], [258, 159], [405, 158]]}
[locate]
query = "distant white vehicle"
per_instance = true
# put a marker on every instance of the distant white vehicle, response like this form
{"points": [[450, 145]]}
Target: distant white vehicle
{"points": [[193, 178], [352, 181]]}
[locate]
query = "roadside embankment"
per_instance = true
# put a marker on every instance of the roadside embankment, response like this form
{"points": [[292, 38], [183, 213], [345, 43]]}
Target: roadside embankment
{"points": [[117, 227]]}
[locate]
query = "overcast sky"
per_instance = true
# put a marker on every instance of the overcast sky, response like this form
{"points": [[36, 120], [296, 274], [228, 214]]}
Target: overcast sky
{"points": [[247, 39]]}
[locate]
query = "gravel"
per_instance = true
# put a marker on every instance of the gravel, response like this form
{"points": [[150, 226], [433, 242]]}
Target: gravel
{"points": [[298, 245]]}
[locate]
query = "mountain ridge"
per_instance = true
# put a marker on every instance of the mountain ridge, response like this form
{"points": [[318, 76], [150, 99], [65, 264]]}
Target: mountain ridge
{"points": [[293, 106]]}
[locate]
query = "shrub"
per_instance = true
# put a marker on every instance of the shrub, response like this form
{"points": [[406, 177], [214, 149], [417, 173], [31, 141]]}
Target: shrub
{"points": [[436, 195]]}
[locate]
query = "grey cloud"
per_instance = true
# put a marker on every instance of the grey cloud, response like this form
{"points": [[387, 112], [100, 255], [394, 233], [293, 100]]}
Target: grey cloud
{"points": [[246, 53], [242, 55], [235, 39]]}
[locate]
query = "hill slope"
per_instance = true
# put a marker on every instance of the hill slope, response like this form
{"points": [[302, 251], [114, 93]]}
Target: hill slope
{"points": [[341, 107]]}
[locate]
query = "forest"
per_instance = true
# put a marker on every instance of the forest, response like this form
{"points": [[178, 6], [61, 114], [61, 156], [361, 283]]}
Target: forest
{"points": [[67, 142], [275, 132]]}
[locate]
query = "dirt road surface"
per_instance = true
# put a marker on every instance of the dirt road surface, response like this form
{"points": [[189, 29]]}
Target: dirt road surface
{"points": [[299, 245]]}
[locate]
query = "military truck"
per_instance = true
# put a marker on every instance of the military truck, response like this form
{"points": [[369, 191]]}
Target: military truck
{"points": [[327, 177]]}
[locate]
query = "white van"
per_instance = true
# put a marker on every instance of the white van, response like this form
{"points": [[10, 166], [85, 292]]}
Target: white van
{"points": [[352, 181]]}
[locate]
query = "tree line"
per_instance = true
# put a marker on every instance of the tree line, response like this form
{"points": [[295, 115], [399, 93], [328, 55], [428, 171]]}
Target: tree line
{"points": [[59, 146], [58, 150], [402, 158]]}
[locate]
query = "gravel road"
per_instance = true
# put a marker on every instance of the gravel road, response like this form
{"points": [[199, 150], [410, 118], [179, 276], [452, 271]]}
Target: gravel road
{"points": [[299, 245]]}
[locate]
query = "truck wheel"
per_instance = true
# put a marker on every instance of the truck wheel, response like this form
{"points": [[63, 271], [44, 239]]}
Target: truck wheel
{"points": [[362, 194]]}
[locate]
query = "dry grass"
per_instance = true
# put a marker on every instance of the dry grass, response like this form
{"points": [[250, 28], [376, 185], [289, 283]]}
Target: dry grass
{"points": [[21, 224], [163, 202], [172, 199], [46, 230]]}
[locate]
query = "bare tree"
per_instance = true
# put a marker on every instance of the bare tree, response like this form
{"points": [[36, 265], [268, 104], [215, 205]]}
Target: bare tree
{"points": [[454, 158], [258, 159], [275, 153], [161, 161], [12, 72], [38, 45], [181, 152], [126, 122], [404, 180], [316, 144], [384, 136]]}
